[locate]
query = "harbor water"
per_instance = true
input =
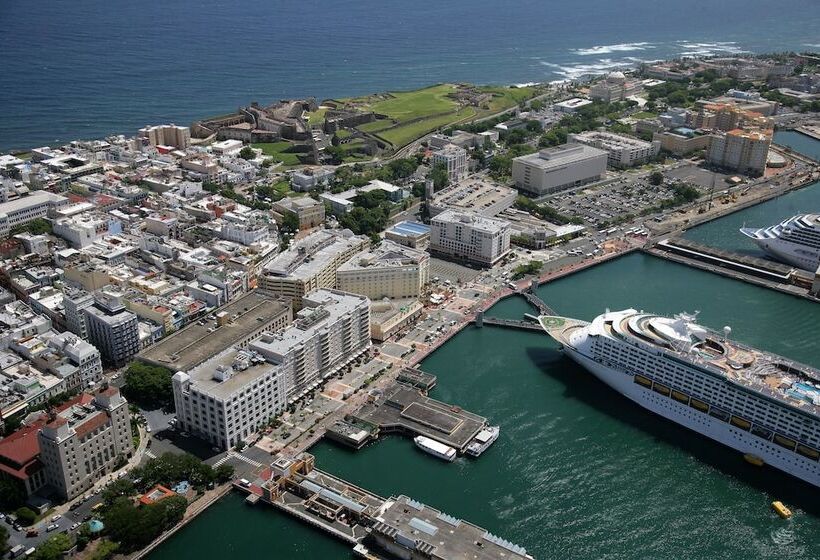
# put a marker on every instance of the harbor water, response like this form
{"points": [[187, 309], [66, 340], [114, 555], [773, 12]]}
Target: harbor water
{"points": [[577, 467], [578, 471]]}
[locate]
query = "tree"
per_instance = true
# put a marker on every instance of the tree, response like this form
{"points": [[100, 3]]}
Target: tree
{"points": [[135, 527], [53, 548], [25, 516], [149, 385], [656, 178], [439, 176], [12, 494], [247, 153], [290, 222], [37, 226], [4, 540], [119, 488], [224, 472]]}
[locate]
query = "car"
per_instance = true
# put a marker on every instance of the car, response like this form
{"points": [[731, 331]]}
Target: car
{"points": [[75, 526], [52, 527], [55, 518], [97, 491], [87, 517], [17, 527], [32, 533], [147, 429], [75, 505]]}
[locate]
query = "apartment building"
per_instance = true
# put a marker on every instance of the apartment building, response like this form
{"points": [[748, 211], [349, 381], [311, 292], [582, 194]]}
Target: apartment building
{"points": [[615, 87], [469, 237], [388, 271], [744, 151], [167, 135], [309, 212], [310, 264], [454, 159], [622, 151], [228, 398], [112, 329]]}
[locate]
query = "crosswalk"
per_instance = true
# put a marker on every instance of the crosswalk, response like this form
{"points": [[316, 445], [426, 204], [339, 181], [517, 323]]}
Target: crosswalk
{"points": [[238, 456], [150, 454]]}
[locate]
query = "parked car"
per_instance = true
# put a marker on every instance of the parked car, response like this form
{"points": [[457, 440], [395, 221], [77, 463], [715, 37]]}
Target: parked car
{"points": [[55, 518], [52, 527]]}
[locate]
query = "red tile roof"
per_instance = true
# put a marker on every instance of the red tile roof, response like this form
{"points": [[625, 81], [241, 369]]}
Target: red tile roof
{"points": [[92, 423], [82, 398], [21, 448]]}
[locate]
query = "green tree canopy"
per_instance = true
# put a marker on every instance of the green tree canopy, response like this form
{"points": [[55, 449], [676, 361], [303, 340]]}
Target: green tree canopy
{"points": [[246, 153], [53, 548], [149, 385], [25, 516]]}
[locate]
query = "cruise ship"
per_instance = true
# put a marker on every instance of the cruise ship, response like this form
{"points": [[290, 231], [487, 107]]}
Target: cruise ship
{"points": [[795, 241], [760, 404]]}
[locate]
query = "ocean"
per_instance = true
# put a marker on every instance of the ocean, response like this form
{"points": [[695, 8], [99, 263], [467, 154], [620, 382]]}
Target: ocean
{"points": [[88, 69]]}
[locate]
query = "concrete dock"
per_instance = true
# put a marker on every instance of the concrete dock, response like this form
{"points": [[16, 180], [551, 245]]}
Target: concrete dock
{"points": [[404, 409], [396, 527]]}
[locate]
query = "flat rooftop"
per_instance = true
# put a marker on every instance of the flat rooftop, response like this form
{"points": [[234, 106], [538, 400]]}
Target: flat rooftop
{"points": [[410, 229], [387, 255], [202, 376], [308, 256], [403, 407], [474, 195], [566, 154], [440, 535], [202, 340]]}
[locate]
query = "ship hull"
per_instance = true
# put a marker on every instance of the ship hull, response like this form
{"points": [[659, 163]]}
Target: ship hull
{"points": [[700, 422], [786, 251]]}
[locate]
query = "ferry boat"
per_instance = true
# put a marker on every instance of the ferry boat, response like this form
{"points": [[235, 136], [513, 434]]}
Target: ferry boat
{"points": [[753, 401], [435, 448], [795, 241], [483, 440]]}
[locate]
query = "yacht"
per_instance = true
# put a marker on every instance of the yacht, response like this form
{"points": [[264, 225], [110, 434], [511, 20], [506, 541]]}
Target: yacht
{"points": [[483, 440], [435, 448]]}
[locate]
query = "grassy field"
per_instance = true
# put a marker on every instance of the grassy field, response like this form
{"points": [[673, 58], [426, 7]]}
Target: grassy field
{"points": [[645, 115], [404, 134], [412, 114], [277, 151], [317, 117]]}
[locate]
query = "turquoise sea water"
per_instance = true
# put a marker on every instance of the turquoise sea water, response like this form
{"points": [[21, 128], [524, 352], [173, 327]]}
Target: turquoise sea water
{"points": [[87, 69]]}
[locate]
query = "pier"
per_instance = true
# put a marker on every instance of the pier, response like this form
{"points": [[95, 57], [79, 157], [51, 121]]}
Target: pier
{"points": [[376, 527], [524, 325], [761, 272], [404, 409]]}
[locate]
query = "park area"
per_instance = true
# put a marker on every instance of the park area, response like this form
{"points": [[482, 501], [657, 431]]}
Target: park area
{"points": [[405, 116]]}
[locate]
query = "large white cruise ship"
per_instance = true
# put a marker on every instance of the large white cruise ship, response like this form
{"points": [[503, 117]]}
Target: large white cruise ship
{"points": [[795, 241], [763, 405]]}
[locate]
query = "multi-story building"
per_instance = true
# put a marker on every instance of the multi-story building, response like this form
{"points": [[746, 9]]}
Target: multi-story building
{"points": [[25, 209], [682, 141], [167, 135], [82, 355], [469, 237], [615, 87], [454, 159], [310, 264], [744, 151], [75, 300], [388, 271], [622, 151], [229, 397], [112, 329], [308, 179], [85, 440], [309, 212], [555, 169], [474, 195]]}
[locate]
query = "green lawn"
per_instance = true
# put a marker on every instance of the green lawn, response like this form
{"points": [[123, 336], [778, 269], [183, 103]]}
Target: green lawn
{"points": [[506, 97], [645, 115], [317, 116], [407, 105], [376, 126], [342, 133], [276, 150], [404, 134]]}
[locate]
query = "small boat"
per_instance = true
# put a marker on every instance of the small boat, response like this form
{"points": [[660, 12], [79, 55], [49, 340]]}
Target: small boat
{"points": [[753, 460], [483, 440], [781, 510], [435, 448]]}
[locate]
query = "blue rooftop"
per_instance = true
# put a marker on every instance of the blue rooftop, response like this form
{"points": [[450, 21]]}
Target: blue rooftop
{"points": [[410, 228]]}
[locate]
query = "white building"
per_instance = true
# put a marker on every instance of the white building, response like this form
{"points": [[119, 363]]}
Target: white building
{"points": [[740, 150], [454, 159], [310, 263], [615, 87], [559, 168], [227, 147], [85, 441], [84, 356], [388, 271], [622, 151], [469, 237], [25, 209], [228, 398], [308, 179], [474, 195], [167, 135]]}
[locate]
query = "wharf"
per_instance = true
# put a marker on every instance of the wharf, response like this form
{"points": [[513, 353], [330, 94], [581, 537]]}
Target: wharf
{"points": [[748, 269], [404, 409], [395, 527]]}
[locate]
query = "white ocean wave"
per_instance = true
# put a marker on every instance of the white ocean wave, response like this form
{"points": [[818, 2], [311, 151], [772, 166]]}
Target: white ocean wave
{"points": [[608, 49], [812, 45], [575, 71], [692, 48]]}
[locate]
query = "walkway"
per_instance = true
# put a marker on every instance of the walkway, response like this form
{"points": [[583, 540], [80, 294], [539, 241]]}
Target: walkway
{"points": [[238, 456]]}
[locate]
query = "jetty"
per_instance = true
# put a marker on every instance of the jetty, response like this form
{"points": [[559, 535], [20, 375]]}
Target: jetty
{"points": [[378, 528]]}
